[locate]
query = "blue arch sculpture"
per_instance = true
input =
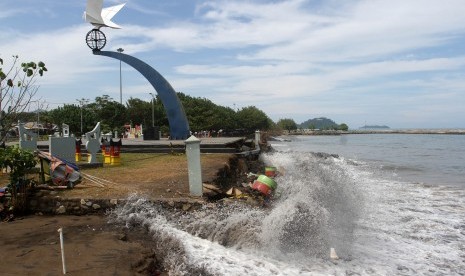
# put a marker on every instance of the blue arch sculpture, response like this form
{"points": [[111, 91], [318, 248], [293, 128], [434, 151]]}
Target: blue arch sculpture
{"points": [[179, 127]]}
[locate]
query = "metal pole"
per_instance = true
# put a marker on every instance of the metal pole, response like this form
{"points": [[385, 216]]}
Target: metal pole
{"points": [[120, 85], [38, 119], [81, 118], [120, 50], [82, 101]]}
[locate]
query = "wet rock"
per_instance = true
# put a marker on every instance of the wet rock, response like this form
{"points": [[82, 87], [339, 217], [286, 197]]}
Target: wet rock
{"points": [[210, 206], [402, 268], [122, 237], [186, 206], [61, 210]]}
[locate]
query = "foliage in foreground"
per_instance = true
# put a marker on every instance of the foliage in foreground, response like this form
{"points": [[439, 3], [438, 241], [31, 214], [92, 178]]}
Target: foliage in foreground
{"points": [[17, 162], [17, 86]]}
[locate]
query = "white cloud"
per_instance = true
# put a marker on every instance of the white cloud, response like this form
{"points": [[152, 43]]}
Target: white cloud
{"points": [[283, 55]]}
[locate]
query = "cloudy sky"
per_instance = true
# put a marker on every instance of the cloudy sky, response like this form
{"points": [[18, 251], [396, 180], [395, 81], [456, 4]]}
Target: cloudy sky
{"points": [[399, 63]]}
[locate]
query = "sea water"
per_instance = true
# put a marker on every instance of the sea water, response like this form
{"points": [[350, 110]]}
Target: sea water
{"points": [[360, 197]]}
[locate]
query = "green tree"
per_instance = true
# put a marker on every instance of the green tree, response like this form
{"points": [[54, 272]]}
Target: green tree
{"points": [[17, 88], [203, 114], [139, 111], [252, 118], [287, 124], [343, 127], [111, 114], [70, 114]]}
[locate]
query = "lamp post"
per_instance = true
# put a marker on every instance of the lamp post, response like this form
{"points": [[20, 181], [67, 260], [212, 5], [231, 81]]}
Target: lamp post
{"points": [[120, 50], [38, 119], [38, 116], [153, 109], [82, 101]]}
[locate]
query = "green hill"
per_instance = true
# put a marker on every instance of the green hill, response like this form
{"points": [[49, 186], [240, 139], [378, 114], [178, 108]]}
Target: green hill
{"points": [[319, 123]]}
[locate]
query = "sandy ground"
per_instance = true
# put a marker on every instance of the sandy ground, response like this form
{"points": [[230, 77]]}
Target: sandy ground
{"points": [[31, 245]]}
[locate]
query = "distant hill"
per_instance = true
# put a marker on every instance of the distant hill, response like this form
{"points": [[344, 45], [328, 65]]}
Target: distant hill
{"points": [[374, 127], [318, 123]]}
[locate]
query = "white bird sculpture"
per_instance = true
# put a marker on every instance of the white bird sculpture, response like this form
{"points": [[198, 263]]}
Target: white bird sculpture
{"points": [[99, 17]]}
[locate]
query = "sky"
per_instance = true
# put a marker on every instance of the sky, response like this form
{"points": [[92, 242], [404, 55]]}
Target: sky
{"points": [[399, 63]]}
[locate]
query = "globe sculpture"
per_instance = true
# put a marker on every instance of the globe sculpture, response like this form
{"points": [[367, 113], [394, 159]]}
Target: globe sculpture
{"points": [[100, 17], [96, 40]]}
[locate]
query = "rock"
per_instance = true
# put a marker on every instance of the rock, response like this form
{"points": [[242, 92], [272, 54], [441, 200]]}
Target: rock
{"points": [[210, 187], [171, 203], [83, 201], [227, 201], [210, 205], [122, 237], [242, 166], [96, 206], [61, 210], [186, 207], [234, 192], [333, 254], [89, 203], [168, 190], [113, 201], [253, 202]]}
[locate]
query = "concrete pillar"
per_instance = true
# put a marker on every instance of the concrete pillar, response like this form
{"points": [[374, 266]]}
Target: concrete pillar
{"points": [[257, 138], [193, 166], [63, 147]]}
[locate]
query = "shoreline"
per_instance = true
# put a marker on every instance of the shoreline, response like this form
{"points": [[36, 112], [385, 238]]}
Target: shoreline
{"points": [[376, 131]]}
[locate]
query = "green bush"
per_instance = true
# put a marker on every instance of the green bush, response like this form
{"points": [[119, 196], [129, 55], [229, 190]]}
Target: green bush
{"points": [[18, 162]]}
